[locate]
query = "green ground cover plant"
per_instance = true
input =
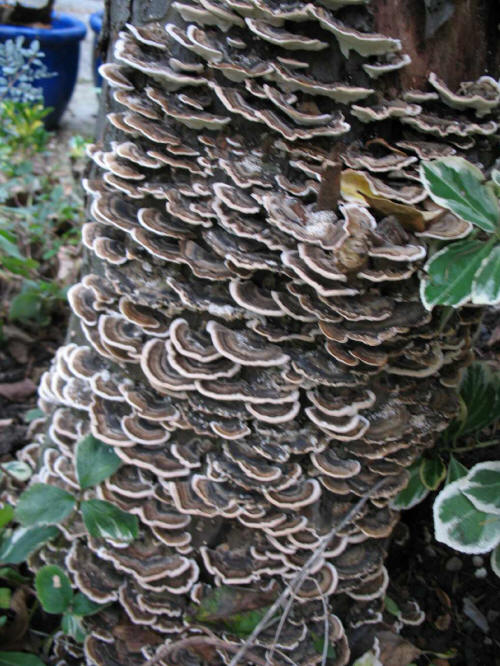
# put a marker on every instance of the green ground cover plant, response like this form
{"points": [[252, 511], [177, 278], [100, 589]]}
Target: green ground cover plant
{"points": [[39, 213]]}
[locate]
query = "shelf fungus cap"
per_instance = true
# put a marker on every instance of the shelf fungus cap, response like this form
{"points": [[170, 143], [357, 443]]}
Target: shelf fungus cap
{"points": [[243, 347], [286, 40], [385, 110], [296, 496], [392, 63], [482, 95], [364, 43]]}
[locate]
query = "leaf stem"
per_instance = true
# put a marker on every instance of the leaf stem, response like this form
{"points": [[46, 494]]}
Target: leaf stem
{"points": [[473, 447]]}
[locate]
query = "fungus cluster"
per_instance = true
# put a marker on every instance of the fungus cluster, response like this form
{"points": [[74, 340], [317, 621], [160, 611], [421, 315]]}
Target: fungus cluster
{"points": [[257, 356]]}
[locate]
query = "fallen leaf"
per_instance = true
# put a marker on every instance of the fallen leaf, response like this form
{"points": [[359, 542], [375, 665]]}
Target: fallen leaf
{"points": [[473, 613], [443, 597], [396, 651], [12, 633], [16, 391], [355, 186], [69, 264], [11, 331], [19, 351], [443, 622]]}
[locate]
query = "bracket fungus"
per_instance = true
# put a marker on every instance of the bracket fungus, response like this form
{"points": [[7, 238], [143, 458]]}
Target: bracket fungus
{"points": [[257, 359]]}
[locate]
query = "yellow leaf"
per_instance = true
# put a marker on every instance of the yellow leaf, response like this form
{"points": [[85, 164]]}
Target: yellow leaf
{"points": [[355, 186]]}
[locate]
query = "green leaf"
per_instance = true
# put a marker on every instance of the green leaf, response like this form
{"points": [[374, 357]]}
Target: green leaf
{"points": [[8, 246], [26, 306], [53, 589], [495, 560], [227, 601], [5, 596], [456, 184], [458, 523], [480, 391], [391, 606], [72, 626], [450, 273], [455, 470], [6, 515], [106, 521], [43, 504], [19, 470], [483, 486], [19, 659], [3, 620], [95, 461], [432, 471], [33, 414], [319, 643], [12, 575], [242, 624], [486, 283], [16, 546], [414, 492], [368, 659], [83, 606]]}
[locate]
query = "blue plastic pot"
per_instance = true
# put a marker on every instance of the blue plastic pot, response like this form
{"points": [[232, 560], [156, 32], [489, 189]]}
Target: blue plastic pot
{"points": [[95, 21], [61, 45]]}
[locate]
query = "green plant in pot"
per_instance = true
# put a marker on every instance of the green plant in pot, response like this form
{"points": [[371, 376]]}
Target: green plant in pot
{"points": [[59, 36]]}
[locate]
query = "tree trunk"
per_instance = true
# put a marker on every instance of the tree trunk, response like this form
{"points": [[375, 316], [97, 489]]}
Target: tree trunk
{"points": [[250, 340]]}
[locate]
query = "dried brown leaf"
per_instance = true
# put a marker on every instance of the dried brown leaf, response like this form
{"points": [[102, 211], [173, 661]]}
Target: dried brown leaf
{"points": [[395, 650], [15, 391]]}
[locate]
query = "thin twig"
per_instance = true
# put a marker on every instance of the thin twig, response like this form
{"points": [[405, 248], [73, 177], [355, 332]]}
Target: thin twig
{"points": [[199, 641], [298, 580], [279, 628], [326, 637]]}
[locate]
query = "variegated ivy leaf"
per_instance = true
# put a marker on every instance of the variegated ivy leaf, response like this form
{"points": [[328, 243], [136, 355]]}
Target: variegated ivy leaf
{"points": [[495, 560], [455, 470], [19, 470], [53, 589], [432, 471], [95, 461], [414, 492], [15, 546], [106, 521], [483, 486], [456, 184], [480, 400], [486, 283], [451, 272], [460, 525], [43, 504]]}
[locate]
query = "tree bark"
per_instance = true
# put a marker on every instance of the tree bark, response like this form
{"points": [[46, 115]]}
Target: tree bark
{"points": [[241, 260]]}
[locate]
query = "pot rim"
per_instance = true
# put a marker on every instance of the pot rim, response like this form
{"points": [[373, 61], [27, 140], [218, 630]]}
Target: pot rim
{"points": [[95, 20]]}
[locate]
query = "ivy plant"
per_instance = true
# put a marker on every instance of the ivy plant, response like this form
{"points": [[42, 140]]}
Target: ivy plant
{"points": [[467, 270], [467, 512], [39, 511], [467, 509], [44, 505], [54, 591]]}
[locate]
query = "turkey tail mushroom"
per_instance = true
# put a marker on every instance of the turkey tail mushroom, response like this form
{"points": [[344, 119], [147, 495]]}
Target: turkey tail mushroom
{"points": [[254, 348]]}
